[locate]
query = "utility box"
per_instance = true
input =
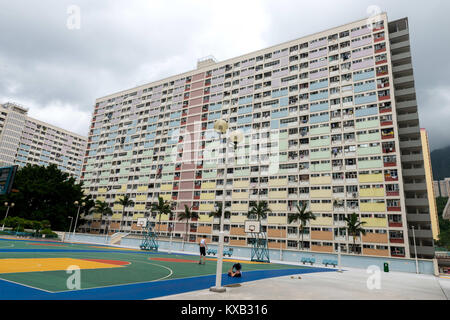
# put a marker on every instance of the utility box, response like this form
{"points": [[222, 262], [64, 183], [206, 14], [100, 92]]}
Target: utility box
{"points": [[386, 267]]}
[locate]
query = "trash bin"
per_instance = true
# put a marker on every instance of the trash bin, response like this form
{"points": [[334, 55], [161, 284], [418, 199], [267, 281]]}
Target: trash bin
{"points": [[386, 267]]}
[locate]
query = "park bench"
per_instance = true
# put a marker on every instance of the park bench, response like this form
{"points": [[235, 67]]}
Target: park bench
{"points": [[308, 260], [327, 262]]}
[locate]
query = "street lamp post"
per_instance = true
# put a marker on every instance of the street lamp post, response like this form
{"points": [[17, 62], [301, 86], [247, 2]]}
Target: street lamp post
{"points": [[76, 203], [71, 220], [6, 216], [415, 250], [221, 127]]}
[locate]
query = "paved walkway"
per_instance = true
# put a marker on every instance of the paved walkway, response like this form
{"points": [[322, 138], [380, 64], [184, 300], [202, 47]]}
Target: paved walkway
{"points": [[351, 284]]}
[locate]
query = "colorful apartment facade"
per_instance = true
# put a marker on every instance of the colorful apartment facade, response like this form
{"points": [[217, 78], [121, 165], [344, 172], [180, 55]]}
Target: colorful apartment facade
{"points": [[320, 123], [24, 140]]}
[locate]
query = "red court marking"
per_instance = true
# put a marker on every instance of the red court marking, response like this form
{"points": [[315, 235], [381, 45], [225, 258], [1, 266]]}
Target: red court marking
{"points": [[46, 244], [115, 262], [173, 260]]}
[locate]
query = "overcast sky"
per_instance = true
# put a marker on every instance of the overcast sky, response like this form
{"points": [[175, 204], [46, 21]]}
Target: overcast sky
{"points": [[58, 72]]}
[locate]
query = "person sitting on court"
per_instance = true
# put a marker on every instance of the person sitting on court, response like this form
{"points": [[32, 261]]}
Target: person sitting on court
{"points": [[235, 271]]}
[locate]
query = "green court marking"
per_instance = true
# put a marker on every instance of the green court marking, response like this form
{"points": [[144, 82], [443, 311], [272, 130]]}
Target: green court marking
{"points": [[141, 269]]}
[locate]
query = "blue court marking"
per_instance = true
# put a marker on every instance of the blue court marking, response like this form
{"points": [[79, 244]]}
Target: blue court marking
{"points": [[147, 290], [74, 250]]}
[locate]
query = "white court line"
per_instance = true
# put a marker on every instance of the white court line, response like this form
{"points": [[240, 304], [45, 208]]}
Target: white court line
{"points": [[126, 284], [10, 246], [25, 285]]}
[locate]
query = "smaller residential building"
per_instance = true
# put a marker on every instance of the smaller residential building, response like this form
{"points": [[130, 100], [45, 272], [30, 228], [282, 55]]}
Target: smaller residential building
{"points": [[24, 140]]}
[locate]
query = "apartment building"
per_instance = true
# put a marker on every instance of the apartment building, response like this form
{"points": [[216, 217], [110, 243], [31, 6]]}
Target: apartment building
{"points": [[24, 140], [442, 188], [330, 119]]}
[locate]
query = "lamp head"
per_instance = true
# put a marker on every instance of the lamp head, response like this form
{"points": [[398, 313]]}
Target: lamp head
{"points": [[237, 136], [83, 204], [75, 203], [220, 126], [6, 204], [12, 204]]}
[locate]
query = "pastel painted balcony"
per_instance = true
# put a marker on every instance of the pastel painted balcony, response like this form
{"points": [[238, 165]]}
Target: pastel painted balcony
{"points": [[142, 188], [318, 44], [365, 99], [375, 237], [370, 164], [139, 207], [320, 180], [241, 218], [208, 196], [240, 195], [368, 150], [323, 248], [277, 194], [320, 167], [206, 207], [166, 187], [365, 64], [362, 53], [276, 233], [242, 173], [124, 186], [375, 252], [317, 75], [166, 197], [239, 207], [277, 182], [278, 207], [374, 222], [322, 235], [369, 137], [365, 87], [240, 111], [319, 85], [372, 207], [323, 106], [372, 192], [141, 197], [321, 207], [208, 185], [276, 220], [168, 177], [118, 207], [361, 42], [318, 96], [321, 193], [319, 119], [368, 178], [367, 124], [320, 155], [280, 114], [102, 190], [280, 93], [209, 175], [321, 221], [318, 64], [205, 218]]}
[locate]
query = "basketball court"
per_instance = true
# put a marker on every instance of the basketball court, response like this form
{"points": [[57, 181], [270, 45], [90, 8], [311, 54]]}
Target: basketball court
{"points": [[44, 270]]}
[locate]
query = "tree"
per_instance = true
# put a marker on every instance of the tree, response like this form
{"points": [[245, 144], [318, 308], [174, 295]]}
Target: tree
{"points": [[260, 210], [187, 215], [218, 213], [124, 202], [45, 193], [301, 216], [354, 227], [102, 208], [161, 207]]}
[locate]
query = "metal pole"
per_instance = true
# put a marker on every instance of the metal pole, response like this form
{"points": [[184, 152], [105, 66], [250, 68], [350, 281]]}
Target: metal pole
{"points": [[218, 287], [3, 227], [76, 220], [339, 258], [415, 250]]}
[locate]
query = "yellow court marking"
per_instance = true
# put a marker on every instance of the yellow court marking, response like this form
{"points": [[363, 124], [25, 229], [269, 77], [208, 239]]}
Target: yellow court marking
{"points": [[240, 261], [48, 264]]}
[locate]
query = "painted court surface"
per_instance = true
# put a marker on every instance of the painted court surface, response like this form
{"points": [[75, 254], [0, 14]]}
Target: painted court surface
{"points": [[38, 270]]}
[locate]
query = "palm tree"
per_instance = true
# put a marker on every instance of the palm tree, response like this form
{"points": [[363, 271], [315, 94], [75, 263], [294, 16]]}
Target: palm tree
{"points": [[161, 207], [218, 212], [124, 202], [103, 208], [260, 210], [301, 216], [354, 227], [187, 215]]}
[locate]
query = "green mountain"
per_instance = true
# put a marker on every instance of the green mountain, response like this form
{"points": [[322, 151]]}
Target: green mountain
{"points": [[440, 161]]}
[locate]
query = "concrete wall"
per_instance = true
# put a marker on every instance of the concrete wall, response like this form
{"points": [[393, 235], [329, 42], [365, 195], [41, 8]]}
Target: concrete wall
{"points": [[350, 261], [87, 238]]}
